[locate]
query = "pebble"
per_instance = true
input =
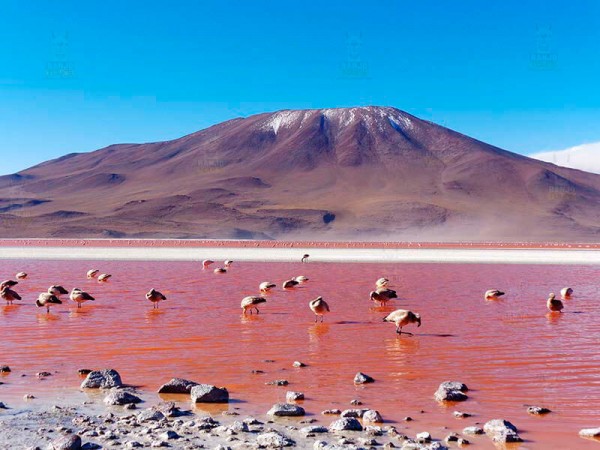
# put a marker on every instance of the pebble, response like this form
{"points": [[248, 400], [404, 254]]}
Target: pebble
{"points": [[451, 391], [273, 439], [121, 397], [332, 412], [355, 402], [372, 416], [423, 437], [299, 364], [461, 415]]}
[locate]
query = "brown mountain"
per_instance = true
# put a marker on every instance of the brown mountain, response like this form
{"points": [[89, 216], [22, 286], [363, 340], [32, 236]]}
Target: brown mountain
{"points": [[350, 173]]}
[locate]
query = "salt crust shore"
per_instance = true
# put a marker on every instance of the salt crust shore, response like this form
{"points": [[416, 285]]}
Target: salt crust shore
{"points": [[89, 251]]}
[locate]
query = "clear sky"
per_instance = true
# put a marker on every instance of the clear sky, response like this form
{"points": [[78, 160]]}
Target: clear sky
{"points": [[77, 75]]}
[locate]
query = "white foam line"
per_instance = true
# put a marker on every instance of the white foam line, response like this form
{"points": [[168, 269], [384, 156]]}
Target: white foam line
{"points": [[478, 256]]}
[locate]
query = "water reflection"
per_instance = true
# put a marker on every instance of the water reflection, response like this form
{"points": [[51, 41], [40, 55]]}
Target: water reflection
{"points": [[153, 315]]}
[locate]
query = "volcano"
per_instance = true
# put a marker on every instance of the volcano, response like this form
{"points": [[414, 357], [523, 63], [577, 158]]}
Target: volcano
{"points": [[365, 173]]}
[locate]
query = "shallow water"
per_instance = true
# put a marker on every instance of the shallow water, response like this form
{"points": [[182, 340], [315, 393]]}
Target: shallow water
{"points": [[510, 352]]}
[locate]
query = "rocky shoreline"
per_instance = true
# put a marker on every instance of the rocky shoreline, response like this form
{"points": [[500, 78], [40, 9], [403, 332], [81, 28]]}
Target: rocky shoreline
{"points": [[115, 420]]}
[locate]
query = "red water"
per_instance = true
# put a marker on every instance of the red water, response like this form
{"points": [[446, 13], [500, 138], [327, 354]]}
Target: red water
{"points": [[510, 352]]}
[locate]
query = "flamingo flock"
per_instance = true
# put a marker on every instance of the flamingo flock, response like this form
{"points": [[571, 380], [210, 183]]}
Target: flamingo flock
{"points": [[381, 295]]}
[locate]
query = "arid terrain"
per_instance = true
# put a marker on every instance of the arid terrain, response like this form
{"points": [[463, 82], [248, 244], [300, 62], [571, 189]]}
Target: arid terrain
{"points": [[369, 173]]}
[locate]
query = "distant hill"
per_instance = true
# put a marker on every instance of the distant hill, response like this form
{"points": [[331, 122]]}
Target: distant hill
{"points": [[349, 173]]}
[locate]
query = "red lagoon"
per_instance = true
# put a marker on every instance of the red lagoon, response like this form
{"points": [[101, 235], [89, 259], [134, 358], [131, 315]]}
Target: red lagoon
{"points": [[510, 352]]}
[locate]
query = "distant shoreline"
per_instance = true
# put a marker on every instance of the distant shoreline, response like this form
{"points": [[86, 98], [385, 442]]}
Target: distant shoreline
{"points": [[282, 251]]}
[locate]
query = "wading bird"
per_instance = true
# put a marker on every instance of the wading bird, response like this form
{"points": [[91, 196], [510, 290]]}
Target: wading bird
{"points": [[566, 292], [382, 295], [554, 304], [301, 279], [220, 270], [305, 258], [79, 296], [228, 263], [103, 278], [402, 317], [92, 273], [21, 276], [381, 283], [319, 307], [9, 295], [249, 303], [206, 263], [46, 299], [57, 290], [154, 296], [287, 284], [493, 294], [266, 286], [8, 284]]}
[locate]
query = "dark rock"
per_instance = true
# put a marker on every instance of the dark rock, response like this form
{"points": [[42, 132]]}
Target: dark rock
{"points": [[361, 378], [333, 412], [84, 371], [207, 393], [177, 386], [169, 435], [285, 409], [356, 413], [299, 364], [452, 437], [451, 391], [423, 438], [500, 430], [355, 402], [4, 369], [120, 397], [314, 429], [43, 374], [461, 415], [66, 442], [346, 424], [3, 406], [102, 379]]}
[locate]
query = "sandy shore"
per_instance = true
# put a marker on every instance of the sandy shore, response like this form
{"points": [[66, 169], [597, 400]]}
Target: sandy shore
{"points": [[89, 251]]}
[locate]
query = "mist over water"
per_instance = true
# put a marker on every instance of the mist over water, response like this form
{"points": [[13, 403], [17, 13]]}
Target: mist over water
{"points": [[510, 352]]}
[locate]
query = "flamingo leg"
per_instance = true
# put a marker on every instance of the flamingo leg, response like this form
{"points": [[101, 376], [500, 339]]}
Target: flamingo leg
{"points": [[257, 310]]}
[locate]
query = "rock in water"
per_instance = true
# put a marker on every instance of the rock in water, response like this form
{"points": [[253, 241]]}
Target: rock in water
{"points": [[102, 379], [346, 424], [372, 416], [590, 432], [177, 386], [292, 396], [500, 430], [451, 391], [120, 397], [285, 409], [361, 378], [66, 442], [207, 393]]}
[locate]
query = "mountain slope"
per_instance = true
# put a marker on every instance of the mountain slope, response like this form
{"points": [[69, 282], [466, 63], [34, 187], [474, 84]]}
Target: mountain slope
{"points": [[349, 173]]}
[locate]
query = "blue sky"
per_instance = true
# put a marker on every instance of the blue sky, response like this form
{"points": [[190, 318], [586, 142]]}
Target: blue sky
{"points": [[76, 76]]}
